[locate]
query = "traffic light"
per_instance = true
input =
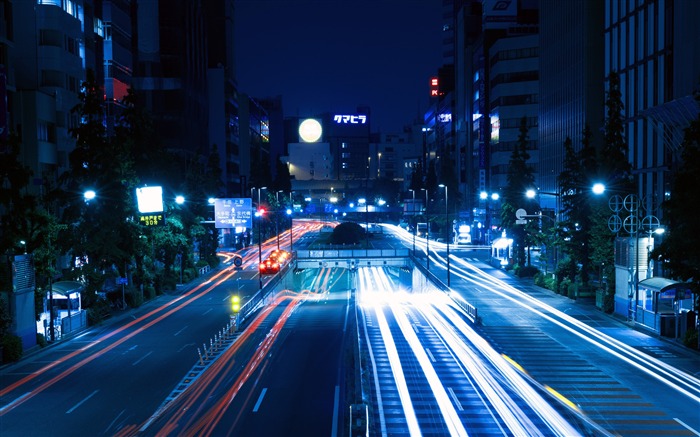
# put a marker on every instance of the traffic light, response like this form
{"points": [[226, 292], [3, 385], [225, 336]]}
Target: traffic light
{"points": [[261, 212], [235, 304]]}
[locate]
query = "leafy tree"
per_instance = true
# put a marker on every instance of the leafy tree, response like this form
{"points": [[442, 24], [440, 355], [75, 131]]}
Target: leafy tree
{"points": [[348, 233], [615, 168], [520, 179], [102, 232], [679, 248]]}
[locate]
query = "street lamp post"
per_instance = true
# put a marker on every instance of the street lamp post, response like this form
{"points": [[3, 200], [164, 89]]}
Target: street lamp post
{"points": [[277, 195], [532, 194], [259, 214], [427, 232], [413, 216], [363, 200], [447, 237]]}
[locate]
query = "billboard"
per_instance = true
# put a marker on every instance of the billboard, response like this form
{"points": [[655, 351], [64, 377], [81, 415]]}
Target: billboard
{"points": [[233, 213], [149, 199]]}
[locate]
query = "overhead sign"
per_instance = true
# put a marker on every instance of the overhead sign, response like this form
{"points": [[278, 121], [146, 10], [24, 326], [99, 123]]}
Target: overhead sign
{"points": [[149, 199], [350, 119], [152, 219], [233, 213]]}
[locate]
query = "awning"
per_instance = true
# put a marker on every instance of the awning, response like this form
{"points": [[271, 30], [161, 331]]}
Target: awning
{"points": [[501, 243], [667, 288], [66, 288]]}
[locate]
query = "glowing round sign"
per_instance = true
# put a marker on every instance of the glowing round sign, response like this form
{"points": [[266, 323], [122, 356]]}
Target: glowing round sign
{"points": [[310, 130]]}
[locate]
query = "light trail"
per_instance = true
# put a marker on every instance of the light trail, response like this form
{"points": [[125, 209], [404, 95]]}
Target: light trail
{"points": [[437, 310], [226, 273], [675, 378], [393, 355]]}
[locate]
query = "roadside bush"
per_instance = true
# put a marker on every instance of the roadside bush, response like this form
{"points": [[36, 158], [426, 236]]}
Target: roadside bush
{"points": [[133, 298], [11, 348], [563, 287], [547, 281], [347, 233], [98, 312], [189, 274], [527, 271], [41, 340], [691, 338], [149, 292]]}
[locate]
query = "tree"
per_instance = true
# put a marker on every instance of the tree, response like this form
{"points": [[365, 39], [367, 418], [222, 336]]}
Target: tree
{"points": [[615, 169], [679, 248], [520, 179], [104, 232]]}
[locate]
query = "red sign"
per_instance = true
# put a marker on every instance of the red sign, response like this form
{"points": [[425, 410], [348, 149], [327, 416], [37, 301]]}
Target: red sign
{"points": [[434, 87]]}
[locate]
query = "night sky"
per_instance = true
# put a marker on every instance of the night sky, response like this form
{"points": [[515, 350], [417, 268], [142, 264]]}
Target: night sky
{"points": [[335, 55]]}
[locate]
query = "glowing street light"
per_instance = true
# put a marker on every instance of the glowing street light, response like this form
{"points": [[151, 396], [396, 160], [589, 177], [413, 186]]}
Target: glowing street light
{"points": [[179, 200], [447, 237], [89, 195]]}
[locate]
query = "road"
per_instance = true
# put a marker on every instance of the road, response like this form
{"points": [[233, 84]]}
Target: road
{"points": [[292, 383], [289, 371], [629, 381]]}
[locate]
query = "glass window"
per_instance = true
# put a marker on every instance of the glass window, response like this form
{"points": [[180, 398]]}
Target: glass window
{"points": [[623, 43], [632, 38], [651, 18], [660, 77], [640, 36], [662, 26]]}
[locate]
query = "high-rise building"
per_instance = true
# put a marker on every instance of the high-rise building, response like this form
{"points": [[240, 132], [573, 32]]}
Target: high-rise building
{"points": [[170, 72], [571, 84], [653, 46], [47, 66]]}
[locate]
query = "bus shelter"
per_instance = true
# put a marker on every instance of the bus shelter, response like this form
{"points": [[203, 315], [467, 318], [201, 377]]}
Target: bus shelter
{"points": [[665, 305]]}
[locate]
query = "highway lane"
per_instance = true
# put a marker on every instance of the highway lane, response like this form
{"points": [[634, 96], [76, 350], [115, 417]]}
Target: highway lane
{"points": [[110, 376], [291, 384], [629, 381], [434, 375], [119, 373]]}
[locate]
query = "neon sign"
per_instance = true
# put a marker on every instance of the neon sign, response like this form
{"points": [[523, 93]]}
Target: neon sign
{"points": [[350, 119]]}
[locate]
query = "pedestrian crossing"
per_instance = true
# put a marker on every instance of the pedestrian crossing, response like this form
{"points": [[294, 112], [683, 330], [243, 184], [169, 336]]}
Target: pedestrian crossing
{"points": [[603, 399]]}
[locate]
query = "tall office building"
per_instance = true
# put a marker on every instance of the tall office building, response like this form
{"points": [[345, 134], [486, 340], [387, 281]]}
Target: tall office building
{"points": [[571, 84], [170, 72], [47, 66], [653, 45]]}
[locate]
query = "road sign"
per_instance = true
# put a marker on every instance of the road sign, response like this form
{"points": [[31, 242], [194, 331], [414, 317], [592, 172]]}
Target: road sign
{"points": [[122, 281]]}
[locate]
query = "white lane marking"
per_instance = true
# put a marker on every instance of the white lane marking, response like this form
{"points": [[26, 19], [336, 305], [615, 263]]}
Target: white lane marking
{"points": [[260, 399], [454, 398], [82, 402], [141, 359], [686, 426], [430, 354], [205, 312], [180, 331], [336, 400]]}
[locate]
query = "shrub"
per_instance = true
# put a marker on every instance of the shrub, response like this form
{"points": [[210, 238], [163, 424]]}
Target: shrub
{"points": [[98, 312], [563, 287], [347, 233], [11, 348], [149, 292], [691, 338], [41, 340], [527, 271], [133, 298]]}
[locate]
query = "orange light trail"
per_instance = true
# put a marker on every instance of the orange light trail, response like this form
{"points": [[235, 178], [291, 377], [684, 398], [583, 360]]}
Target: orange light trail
{"points": [[227, 272]]}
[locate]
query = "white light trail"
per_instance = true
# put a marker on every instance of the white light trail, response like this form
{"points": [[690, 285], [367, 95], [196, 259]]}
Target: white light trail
{"points": [[394, 361]]}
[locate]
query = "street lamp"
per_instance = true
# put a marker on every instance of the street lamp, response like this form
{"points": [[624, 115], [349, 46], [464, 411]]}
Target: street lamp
{"points": [[447, 237], [277, 195], [364, 201], [427, 232], [259, 214], [413, 216]]}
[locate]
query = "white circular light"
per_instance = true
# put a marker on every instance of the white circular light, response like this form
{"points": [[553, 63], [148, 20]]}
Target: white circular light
{"points": [[310, 130]]}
